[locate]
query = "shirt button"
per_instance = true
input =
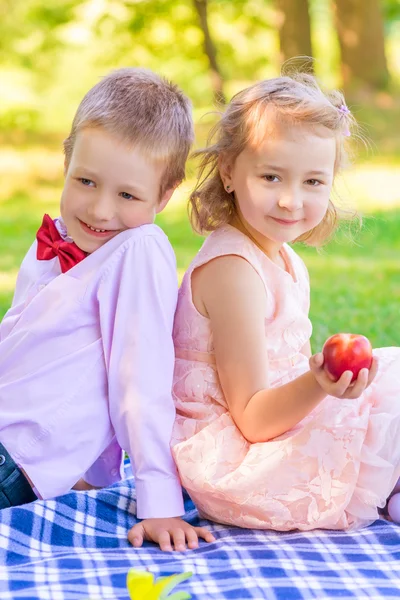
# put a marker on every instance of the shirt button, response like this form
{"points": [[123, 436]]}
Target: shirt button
{"points": [[2, 459], [114, 472]]}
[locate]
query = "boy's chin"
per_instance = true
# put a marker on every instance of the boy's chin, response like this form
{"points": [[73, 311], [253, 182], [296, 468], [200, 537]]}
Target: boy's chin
{"points": [[89, 242], [90, 246]]}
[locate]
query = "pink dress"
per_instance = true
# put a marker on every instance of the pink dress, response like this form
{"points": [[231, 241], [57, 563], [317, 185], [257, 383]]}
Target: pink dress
{"points": [[332, 470]]}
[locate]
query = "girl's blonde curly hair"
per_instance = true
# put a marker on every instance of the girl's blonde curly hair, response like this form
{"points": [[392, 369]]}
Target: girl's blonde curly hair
{"points": [[295, 99]]}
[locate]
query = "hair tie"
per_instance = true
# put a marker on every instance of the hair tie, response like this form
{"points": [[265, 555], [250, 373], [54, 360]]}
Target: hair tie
{"points": [[345, 111]]}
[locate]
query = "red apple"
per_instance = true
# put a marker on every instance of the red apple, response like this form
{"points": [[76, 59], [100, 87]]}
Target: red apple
{"points": [[347, 352]]}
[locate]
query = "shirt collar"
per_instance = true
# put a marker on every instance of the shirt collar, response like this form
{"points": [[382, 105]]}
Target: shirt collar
{"points": [[62, 230]]}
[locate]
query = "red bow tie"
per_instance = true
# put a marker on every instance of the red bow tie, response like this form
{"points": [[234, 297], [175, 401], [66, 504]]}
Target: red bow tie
{"points": [[51, 244]]}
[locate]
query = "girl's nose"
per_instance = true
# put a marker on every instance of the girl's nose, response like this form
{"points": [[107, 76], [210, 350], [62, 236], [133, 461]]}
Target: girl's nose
{"points": [[290, 199]]}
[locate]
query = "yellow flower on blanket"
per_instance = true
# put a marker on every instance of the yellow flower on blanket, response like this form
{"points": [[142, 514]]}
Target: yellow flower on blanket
{"points": [[142, 586]]}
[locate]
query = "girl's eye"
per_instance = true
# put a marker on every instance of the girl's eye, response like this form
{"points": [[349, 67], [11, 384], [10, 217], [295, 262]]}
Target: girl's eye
{"points": [[271, 178], [313, 182], [126, 196]]}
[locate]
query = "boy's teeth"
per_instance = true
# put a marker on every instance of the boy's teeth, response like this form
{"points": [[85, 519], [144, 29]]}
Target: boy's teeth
{"points": [[98, 230]]}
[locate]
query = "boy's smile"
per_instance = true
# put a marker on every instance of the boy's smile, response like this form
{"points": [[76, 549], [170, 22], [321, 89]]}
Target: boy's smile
{"points": [[110, 186], [97, 232]]}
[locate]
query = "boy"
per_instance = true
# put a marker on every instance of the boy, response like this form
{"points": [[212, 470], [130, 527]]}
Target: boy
{"points": [[86, 352]]}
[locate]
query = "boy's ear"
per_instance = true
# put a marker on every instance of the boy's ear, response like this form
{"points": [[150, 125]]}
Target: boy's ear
{"points": [[165, 198], [225, 169]]}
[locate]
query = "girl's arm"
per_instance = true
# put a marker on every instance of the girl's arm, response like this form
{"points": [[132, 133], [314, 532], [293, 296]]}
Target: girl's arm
{"points": [[232, 295]]}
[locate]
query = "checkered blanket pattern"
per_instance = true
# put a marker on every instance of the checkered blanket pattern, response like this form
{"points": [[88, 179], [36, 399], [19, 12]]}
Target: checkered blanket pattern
{"points": [[75, 547]]}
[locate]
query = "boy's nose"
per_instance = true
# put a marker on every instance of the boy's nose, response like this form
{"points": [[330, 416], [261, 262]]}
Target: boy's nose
{"points": [[102, 208]]}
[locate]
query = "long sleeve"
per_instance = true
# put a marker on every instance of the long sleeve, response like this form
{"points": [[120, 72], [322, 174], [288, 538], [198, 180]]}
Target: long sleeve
{"points": [[26, 277], [32, 277], [108, 468], [137, 300]]}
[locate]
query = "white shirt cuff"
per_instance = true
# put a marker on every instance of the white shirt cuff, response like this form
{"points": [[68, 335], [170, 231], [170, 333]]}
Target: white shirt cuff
{"points": [[159, 499]]}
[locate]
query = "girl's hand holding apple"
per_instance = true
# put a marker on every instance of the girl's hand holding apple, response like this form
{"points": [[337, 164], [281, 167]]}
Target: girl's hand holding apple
{"points": [[346, 366], [347, 352]]}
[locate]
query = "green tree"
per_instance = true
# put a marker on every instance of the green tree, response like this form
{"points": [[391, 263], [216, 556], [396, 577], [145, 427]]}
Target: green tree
{"points": [[188, 40], [31, 31]]}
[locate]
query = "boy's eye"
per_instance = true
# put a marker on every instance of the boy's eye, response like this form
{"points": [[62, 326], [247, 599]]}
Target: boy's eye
{"points": [[271, 178], [126, 196], [313, 182], [85, 181]]}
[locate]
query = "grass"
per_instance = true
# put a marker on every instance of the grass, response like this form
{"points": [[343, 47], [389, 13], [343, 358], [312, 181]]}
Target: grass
{"points": [[355, 284]]}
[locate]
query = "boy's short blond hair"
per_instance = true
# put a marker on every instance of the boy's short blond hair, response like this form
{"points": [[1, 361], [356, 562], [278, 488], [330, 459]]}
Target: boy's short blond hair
{"points": [[144, 110]]}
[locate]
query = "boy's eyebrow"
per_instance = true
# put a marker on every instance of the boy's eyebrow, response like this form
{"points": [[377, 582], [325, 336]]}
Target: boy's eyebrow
{"points": [[132, 187], [89, 173]]}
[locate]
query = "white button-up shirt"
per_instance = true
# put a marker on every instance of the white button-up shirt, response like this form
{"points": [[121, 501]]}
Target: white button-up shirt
{"points": [[86, 367]]}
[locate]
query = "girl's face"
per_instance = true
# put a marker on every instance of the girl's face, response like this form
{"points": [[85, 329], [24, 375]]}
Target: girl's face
{"points": [[282, 187]]}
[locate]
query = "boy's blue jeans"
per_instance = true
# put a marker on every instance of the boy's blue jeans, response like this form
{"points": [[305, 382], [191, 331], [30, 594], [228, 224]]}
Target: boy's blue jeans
{"points": [[14, 487]]}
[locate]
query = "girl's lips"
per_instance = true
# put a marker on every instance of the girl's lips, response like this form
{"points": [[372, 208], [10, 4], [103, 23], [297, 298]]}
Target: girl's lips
{"points": [[100, 234], [285, 221]]}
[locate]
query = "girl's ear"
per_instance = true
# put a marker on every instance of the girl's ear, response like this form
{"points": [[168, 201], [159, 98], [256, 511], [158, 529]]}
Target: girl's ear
{"points": [[225, 171]]}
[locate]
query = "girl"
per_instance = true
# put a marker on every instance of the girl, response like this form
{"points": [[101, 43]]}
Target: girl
{"points": [[263, 437]]}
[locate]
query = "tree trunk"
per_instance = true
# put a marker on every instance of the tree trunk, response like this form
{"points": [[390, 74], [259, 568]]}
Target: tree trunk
{"points": [[294, 29], [359, 25], [217, 81]]}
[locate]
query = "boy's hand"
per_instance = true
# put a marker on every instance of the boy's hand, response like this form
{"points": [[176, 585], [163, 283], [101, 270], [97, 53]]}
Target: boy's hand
{"points": [[167, 533], [342, 388]]}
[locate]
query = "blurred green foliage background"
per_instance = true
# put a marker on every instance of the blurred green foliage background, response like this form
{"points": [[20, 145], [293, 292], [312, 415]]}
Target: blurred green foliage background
{"points": [[52, 53]]}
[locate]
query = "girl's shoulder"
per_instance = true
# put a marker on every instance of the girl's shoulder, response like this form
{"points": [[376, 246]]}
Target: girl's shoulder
{"points": [[226, 240]]}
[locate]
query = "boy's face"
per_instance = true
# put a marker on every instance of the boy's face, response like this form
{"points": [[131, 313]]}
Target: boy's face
{"points": [[109, 187]]}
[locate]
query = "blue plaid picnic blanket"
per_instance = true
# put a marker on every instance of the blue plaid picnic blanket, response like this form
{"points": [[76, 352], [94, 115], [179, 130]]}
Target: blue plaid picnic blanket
{"points": [[76, 547]]}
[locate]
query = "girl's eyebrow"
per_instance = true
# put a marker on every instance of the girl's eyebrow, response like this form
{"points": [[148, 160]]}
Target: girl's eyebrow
{"points": [[270, 167], [320, 173]]}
